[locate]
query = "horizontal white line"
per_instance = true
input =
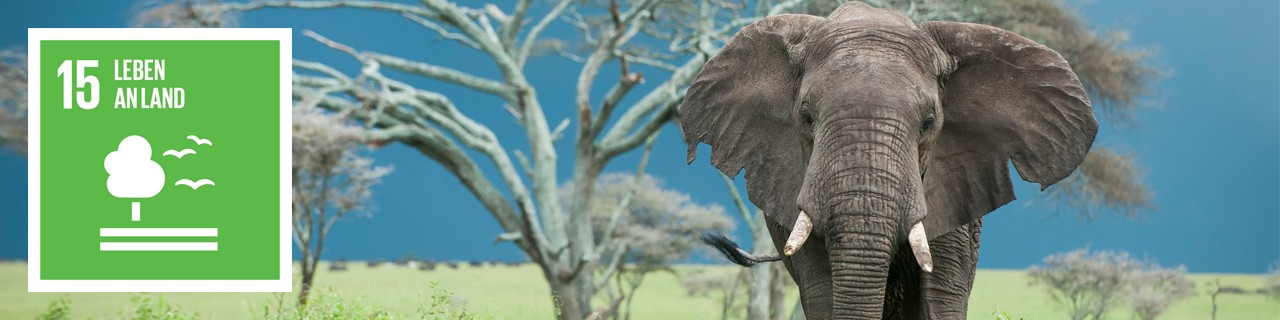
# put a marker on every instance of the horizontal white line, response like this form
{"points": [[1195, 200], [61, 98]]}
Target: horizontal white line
{"points": [[158, 232], [158, 246]]}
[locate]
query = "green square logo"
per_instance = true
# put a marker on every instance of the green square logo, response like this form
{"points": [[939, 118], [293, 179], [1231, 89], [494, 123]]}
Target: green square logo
{"points": [[160, 160]]}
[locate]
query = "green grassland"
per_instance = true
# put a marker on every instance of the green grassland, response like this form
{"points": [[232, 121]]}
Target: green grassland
{"points": [[504, 292]]}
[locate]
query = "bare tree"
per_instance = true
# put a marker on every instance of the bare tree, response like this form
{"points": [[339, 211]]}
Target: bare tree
{"points": [[530, 212], [1152, 289], [330, 181], [13, 100], [1219, 289], [648, 226], [1087, 284]]}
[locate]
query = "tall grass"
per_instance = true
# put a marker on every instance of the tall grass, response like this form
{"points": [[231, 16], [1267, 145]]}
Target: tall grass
{"points": [[501, 292]]}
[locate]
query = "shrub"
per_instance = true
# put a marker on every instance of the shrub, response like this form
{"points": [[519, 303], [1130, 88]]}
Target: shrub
{"points": [[146, 309], [1001, 315], [324, 305], [58, 310]]}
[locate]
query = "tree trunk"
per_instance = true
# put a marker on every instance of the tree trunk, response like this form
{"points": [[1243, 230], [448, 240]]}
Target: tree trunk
{"points": [[759, 295], [308, 274], [631, 294], [1213, 313], [564, 296], [580, 231], [777, 291]]}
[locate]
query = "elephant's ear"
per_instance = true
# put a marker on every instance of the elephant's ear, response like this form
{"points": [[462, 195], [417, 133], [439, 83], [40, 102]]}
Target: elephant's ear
{"points": [[741, 104], [1008, 98]]}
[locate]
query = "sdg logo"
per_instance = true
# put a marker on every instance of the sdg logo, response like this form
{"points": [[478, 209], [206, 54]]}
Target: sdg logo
{"points": [[160, 160]]}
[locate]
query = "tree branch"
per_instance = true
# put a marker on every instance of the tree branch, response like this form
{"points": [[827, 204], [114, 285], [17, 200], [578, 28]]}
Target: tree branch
{"points": [[373, 5], [511, 27], [611, 149], [624, 28], [625, 204], [441, 31], [394, 126], [661, 96], [737, 200], [614, 264], [532, 37]]}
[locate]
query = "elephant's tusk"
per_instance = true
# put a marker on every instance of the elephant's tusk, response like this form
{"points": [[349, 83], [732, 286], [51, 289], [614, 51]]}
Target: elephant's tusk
{"points": [[920, 246], [799, 233]]}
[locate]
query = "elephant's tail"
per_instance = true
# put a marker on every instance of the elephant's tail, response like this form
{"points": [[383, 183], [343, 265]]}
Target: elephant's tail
{"points": [[735, 253]]}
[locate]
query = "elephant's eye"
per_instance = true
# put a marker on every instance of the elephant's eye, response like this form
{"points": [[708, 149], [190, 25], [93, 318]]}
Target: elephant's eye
{"points": [[927, 125], [805, 115]]}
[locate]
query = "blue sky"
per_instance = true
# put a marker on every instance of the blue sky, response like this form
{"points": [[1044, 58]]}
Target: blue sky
{"points": [[1212, 149]]}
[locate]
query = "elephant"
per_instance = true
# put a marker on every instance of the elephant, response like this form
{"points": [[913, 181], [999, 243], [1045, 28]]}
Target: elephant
{"points": [[875, 147]]}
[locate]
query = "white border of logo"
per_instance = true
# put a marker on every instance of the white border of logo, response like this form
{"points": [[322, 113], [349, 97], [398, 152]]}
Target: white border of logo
{"points": [[35, 284]]}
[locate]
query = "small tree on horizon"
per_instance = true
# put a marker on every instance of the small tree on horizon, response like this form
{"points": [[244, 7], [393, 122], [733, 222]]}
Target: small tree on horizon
{"points": [[1086, 284], [1152, 289], [330, 180], [1090, 284]]}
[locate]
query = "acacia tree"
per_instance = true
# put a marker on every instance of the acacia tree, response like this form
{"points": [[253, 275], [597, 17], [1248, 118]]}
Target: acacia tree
{"points": [[330, 180], [648, 227], [13, 100], [1152, 289], [530, 212], [1087, 284]]}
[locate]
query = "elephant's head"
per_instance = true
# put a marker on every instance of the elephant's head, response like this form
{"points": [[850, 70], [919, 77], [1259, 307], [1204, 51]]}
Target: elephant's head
{"points": [[864, 132]]}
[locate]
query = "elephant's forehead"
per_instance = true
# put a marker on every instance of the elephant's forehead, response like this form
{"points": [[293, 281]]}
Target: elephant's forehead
{"points": [[861, 12], [870, 35], [872, 52]]}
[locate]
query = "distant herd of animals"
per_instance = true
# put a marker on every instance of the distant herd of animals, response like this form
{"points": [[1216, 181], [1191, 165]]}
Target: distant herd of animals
{"points": [[425, 265]]}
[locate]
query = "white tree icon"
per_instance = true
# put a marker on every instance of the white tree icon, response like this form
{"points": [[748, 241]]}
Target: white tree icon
{"points": [[132, 174]]}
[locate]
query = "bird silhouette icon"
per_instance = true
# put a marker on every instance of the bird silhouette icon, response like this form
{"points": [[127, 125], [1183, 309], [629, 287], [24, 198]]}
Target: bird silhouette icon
{"points": [[200, 141], [179, 154], [194, 185]]}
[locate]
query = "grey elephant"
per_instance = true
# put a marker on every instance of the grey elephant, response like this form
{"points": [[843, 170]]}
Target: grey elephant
{"points": [[875, 147]]}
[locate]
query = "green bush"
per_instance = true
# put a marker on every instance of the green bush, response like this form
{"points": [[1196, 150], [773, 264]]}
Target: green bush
{"points": [[442, 307], [324, 305], [1001, 315], [145, 309], [58, 310]]}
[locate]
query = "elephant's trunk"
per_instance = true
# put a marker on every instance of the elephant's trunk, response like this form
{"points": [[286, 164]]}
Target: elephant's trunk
{"points": [[860, 266], [864, 192], [863, 230]]}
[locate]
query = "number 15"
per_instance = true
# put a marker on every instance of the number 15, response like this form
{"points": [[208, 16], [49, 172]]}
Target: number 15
{"points": [[82, 80]]}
